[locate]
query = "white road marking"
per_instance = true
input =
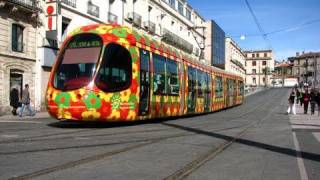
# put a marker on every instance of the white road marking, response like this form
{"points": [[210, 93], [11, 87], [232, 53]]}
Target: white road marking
{"points": [[10, 136], [301, 166], [317, 136], [21, 121]]}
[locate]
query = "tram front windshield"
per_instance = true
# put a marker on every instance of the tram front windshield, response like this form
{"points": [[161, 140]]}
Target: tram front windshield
{"points": [[78, 61]]}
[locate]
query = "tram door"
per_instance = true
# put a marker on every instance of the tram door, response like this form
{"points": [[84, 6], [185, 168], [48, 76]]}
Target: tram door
{"points": [[191, 89], [144, 82]]}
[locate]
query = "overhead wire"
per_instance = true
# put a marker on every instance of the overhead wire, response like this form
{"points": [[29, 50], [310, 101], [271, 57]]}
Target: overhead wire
{"points": [[262, 33]]}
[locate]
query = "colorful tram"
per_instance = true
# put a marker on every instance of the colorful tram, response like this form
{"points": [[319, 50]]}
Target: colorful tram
{"points": [[113, 73]]}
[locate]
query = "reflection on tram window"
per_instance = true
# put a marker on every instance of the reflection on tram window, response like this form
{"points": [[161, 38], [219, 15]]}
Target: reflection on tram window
{"points": [[159, 78], [78, 61], [116, 69], [219, 87], [173, 80]]}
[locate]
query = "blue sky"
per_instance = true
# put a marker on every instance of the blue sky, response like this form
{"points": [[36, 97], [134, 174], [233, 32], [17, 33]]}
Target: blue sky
{"points": [[300, 20]]}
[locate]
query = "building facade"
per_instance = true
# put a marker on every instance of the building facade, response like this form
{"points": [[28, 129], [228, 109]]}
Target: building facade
{"points": [[18, 42], [235, 60], [282, 72], [306, 68], [259, 67], [215, 44]]}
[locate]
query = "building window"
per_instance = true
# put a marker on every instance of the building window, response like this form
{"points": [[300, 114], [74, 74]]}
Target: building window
{"points": [[180, 8], [265, 55], [254, 80], [257, 55], [17, 38], [172, 3], [264, 63], [253, 55], [188, 14], [254, 63], [264, 80], [254, 71], [93, 9]]}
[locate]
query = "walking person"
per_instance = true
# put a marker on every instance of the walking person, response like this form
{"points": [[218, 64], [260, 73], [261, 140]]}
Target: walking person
{"points": [[14, 100], [301, 98], [306, 100], [297, 96], [291, 109], [312, 101], [318, 101], [25, 100]]}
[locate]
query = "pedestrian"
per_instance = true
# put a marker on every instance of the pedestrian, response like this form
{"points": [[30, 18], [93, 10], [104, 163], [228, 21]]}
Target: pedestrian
{"points": [[306, 100], [25, 100], [312, 101], [318, 101], [14, 100], [297, 95], [291, 109], [301, 98]]}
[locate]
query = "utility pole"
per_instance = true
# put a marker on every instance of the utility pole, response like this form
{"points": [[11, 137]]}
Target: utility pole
{"points": [[315, 63]]}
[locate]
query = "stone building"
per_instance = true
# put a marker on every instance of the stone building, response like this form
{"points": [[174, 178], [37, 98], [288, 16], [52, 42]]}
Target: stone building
{"points": [[259, 67], [235, 60], [18, 39], [306, 68]]}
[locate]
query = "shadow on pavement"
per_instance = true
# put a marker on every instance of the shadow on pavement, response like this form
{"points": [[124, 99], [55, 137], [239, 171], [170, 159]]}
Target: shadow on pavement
{"points": [[277, 149]]}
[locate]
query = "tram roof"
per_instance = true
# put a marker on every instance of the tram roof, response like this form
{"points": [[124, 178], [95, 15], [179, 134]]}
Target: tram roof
{"points": [[135, 37]]}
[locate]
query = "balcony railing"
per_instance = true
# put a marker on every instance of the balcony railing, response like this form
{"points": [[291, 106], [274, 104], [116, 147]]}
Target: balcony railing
{"points": [[112, 18], [72, 3], [150, 26], [29, 4], [134, 18], [93, 10], [176, 41]]}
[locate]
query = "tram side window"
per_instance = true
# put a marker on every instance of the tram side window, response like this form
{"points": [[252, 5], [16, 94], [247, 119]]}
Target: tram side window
{"points": [[219, 87], [159, 77], [202, 85], [116, 69], [192, 80], [241, 86], [230, 86], [208, 83], [173, 80]]}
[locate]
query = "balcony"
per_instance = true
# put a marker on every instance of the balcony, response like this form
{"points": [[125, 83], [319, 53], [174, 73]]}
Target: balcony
{"points": [[134, 18], [112, 18], [72, 3], [93, 9], [176, 41], [150, 26], [26, 5]]}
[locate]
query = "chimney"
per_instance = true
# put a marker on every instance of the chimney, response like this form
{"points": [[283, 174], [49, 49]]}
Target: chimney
{"points": [[297, 54]]}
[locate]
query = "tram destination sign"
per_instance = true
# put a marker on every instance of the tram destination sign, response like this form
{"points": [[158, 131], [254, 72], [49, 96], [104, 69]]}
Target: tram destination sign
{"points": [[84, 44]]}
